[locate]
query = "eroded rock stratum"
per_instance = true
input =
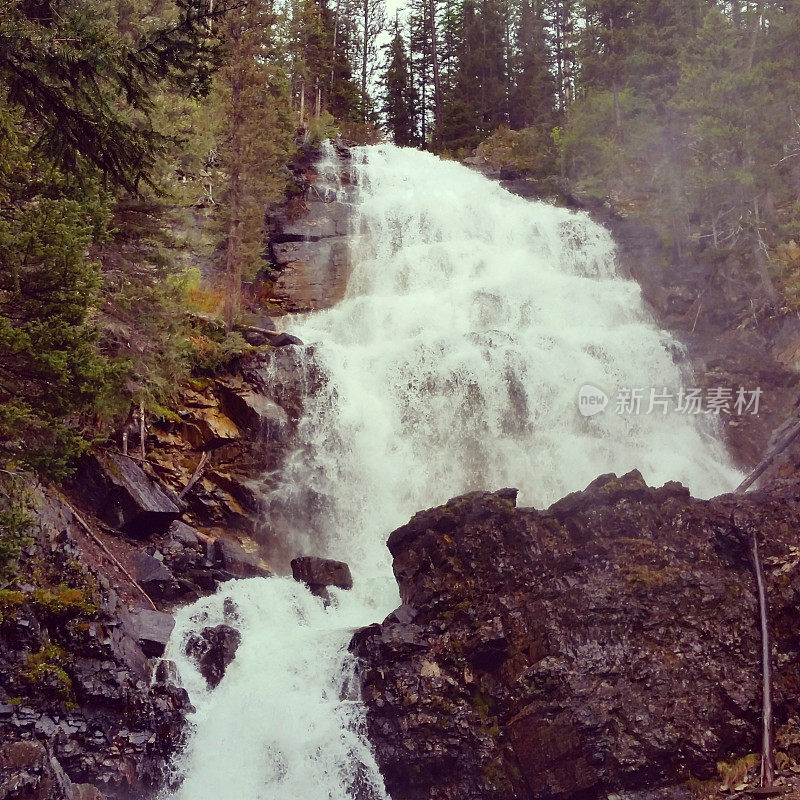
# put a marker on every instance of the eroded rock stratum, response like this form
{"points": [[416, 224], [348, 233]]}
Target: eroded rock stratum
{"points": [[607, 644]]}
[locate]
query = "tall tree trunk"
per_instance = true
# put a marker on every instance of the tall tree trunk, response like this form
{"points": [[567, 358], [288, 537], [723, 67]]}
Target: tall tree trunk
{"points": [[755, 24], [760, 259], [335, 38], [435, 58], [559, 57], [767, 767], [364, 47], [233, 267], [233, 264]]}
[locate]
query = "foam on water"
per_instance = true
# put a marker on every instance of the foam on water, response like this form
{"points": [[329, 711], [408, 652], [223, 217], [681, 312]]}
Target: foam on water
{"points": [[471, 320]]}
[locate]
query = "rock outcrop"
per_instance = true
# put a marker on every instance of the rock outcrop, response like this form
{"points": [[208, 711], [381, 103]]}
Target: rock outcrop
{"points": [[214, 649], [80, 717], [125, 497], [319, 573], [310, 246], [607, 644]]}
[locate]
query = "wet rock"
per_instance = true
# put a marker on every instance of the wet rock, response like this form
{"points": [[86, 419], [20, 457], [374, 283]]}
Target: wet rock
{"points": [[256, 412], [153, 629], [283, 339], [166, 672], [313, 274], [259, 335], [607, 644], [118, 489], [282, 375], [213, 650], [320, 220], [319, 573], [236, 561]]}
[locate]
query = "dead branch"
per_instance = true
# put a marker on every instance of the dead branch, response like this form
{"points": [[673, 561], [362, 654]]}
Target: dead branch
{"points": [[96, 539], [767, 767], [779, 441], [196, 475]]}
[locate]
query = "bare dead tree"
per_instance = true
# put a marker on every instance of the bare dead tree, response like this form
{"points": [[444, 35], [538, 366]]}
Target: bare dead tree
{"points": [[781, 439]]}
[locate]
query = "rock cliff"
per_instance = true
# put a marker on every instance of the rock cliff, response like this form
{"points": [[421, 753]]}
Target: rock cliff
{"points": [[309, 235], [82, 714], [608, 644]]}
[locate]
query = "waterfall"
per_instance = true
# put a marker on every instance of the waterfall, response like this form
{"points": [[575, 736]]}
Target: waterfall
{"points": [[471, 321]]}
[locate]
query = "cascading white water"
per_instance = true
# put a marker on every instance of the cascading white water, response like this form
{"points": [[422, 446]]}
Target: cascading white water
{"points": [[471, 319]]}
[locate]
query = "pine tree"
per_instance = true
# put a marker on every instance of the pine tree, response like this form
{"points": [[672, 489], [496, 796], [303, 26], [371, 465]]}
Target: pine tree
{"points": [[476, 104], [79, 80], [51, 375], [252, 97], [372, 23], [532, 96], [399, 97]]}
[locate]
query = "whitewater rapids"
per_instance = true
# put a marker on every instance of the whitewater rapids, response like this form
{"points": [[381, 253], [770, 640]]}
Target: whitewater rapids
{"points": [[471, 320]]}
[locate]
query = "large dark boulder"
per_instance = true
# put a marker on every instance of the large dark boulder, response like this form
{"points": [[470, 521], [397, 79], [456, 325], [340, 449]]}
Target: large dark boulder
{"points": [[319, 573], [607, 644], [119, 491], [214, 649]]}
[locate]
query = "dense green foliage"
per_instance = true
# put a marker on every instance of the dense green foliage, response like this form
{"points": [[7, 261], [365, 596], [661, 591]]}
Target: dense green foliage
{"points": [[76, 96], [16, 523]]}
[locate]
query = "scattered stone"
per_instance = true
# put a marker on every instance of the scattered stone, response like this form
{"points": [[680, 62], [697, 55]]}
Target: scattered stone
{"points": [[152, 575], [319, 573], [183, 533], [213, 650], [153, 629], [236, 561]]}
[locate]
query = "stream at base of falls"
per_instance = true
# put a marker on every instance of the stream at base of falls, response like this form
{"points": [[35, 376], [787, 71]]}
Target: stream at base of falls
{"points": [[471, 320]]}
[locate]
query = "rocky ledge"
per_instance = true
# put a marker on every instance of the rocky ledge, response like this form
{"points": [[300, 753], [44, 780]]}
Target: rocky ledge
{"points": [[609, 644]]}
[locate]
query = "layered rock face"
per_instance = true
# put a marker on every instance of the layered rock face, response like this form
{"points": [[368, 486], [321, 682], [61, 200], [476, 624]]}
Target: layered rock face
{"points": [[607, 644], [309, 242], [87, 710]]}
